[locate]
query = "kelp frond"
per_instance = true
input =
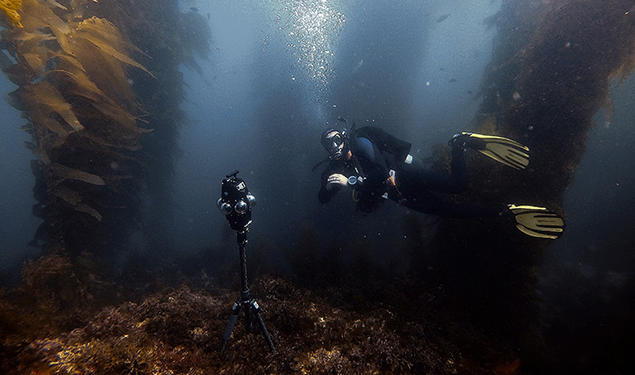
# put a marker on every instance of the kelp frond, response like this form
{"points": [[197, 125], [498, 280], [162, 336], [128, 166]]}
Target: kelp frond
{"points": [[11, 8], [47, 97], [38, 15], [105, 36], [75, 174], [55, 4], [75, 91]]}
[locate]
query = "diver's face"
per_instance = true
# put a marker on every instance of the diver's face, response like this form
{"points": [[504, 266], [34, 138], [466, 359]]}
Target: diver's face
{"points": [[334, 145]]}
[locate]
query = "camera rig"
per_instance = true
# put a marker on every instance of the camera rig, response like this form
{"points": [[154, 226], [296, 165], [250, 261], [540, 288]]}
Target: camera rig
{"points": [[236, 203]]}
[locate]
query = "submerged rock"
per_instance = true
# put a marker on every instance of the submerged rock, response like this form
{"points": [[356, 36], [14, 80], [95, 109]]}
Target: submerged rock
{"points": [[179, 331]]}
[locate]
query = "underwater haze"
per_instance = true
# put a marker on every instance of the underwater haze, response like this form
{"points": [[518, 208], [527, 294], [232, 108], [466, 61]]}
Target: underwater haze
{"points": [[272, 104], [121, 119]]}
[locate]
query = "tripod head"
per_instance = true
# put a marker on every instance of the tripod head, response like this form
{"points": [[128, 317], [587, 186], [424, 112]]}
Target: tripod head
{"points": [[236, 202]]}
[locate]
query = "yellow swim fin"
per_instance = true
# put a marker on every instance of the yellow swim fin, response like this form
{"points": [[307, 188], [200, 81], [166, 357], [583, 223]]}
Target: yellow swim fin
{"points": [[503, 150], [537, 221]]}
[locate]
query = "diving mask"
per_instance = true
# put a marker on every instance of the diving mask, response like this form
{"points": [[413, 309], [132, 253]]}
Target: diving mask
{"points": [[333, 142]]}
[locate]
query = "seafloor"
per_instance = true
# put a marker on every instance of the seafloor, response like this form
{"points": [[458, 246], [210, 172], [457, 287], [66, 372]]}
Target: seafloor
{"points": [[52, 325]]}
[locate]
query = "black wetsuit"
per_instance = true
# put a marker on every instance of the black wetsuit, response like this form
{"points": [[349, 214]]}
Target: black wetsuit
{"points": [[376, 153]]}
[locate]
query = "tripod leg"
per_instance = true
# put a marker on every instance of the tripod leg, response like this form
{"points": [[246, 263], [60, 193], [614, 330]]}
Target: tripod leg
{"points": [[256, 311], [230, 326], [265, 333]]}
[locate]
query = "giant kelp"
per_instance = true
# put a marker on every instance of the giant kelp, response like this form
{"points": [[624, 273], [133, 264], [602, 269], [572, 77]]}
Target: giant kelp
{"points": [[552, 66], [93, 79], [73, 89], [88, 101], [550, 74], [167, 38]]}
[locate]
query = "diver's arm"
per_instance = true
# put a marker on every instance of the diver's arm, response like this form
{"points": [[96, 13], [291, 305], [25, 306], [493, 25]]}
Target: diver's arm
{"points": [[331, 185], [336, 180]]}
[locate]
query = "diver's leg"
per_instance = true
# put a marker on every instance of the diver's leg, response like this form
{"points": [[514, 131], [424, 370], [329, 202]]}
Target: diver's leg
{"points": [[458, 171], [413, 178], [430, 203]]}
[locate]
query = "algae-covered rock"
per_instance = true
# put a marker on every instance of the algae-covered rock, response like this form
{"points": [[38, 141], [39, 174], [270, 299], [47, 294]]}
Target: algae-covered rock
{"points": [[179, 331]]}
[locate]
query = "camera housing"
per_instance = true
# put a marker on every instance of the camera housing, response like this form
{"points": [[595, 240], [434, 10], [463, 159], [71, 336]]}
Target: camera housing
{"points": [[236, 202]]}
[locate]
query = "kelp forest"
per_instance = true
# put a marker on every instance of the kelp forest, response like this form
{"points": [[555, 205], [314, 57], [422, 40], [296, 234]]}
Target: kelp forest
{"points": [[99, 86]]}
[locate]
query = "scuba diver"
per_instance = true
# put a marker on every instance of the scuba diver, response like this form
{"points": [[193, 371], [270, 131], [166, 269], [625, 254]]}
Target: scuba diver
{"points": [[377, 166]]}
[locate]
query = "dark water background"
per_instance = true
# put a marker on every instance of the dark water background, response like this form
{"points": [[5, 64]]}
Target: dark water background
{"points": [[395, 64], [256, 109], [268, 113]]}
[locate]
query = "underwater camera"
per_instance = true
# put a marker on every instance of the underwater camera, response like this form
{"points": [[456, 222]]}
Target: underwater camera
{"points": [[236, 201]]}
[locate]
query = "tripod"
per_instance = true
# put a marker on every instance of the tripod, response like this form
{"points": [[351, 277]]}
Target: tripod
{"points": [[249, 306]]}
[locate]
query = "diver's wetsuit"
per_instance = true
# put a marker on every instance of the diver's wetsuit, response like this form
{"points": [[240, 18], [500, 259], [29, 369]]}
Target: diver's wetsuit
{"points": [[376, 152]]}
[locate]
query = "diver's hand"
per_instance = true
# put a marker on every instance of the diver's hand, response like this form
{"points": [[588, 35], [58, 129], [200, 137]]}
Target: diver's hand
{"points": [[336, 179]]}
